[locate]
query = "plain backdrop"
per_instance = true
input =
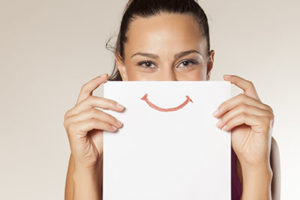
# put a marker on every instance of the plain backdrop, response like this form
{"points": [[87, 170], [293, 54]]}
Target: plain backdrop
{"points": [[50, 48]]}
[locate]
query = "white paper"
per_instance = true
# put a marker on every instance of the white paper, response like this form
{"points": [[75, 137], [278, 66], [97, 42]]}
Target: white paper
{"points": [[167, 155]]}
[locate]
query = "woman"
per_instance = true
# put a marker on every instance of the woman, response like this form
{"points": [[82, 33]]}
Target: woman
{"points": [[169, 40]]}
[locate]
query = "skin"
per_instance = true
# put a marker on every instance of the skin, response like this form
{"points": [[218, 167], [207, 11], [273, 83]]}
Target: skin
{"points": [[149, 54]]}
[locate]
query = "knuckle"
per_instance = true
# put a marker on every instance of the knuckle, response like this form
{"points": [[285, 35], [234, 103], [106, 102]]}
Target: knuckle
{"points": [[271, 116], [98, 114], [71, 128], [95, 99], [225, 119], [243, 116], [250, 84], [244, 107], [65, 123], [93, 121], [110, 118], [93, 111], [114, 103], [114, 120], [111, 103], [66, 114], [90, 99], [105, 103], [223, 106], [266, 120], [267, 126], [242, 96], [84, 87], [106, 115], [269, 108]]}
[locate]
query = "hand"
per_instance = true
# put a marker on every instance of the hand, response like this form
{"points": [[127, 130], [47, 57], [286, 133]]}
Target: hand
{"points": [[85, 124], [250, 122]]}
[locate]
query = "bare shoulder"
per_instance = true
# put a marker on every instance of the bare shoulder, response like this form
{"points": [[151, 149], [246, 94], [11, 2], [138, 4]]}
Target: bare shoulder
{"points": [[275, 165]]}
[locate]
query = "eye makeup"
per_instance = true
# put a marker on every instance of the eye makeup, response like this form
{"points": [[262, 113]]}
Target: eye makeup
{"points": [[190, 62], [187, 63], [146, 64]]}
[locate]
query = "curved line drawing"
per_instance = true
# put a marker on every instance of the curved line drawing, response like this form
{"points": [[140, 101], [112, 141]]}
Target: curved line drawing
{"points": [[188, 99]]}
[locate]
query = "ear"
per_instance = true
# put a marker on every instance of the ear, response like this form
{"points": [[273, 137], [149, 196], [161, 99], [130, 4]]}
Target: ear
{"points": [[121, 67], [210, 64]]}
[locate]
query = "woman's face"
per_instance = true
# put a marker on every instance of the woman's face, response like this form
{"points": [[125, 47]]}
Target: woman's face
{"points": [[165, 47]]}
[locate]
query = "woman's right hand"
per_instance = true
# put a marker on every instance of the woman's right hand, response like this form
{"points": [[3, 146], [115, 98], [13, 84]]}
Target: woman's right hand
{"points": [[85, 124]]}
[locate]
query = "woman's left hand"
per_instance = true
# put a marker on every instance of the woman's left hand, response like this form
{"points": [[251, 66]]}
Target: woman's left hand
{"points": [[250, 122]]}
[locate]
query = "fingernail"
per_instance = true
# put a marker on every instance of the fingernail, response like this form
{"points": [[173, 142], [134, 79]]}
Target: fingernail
{"points": [[224, 128], [120, 106], [219, 123], [119, 123], [114, 128], [104, 75], [216, 113]]}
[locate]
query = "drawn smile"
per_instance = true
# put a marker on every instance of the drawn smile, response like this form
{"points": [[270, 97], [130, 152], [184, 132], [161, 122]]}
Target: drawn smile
{"points": [[188, 99]]}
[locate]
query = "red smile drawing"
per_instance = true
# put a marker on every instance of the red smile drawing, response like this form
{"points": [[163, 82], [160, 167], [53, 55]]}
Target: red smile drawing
{"points": [[166, 109]]}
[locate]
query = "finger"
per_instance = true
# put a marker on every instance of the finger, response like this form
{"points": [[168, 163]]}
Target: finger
{"points": [[242, 108], [246, 85], [94, 101], [83, 127], [259, 124], [96, 114], [88, 88], [237, 100]]}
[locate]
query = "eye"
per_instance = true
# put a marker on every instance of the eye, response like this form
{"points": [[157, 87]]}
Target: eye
{"points": [[145, 64], [187, 63]]}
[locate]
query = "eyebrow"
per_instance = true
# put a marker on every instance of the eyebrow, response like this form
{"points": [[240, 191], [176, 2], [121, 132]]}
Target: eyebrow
{"points": [[176, 56]]}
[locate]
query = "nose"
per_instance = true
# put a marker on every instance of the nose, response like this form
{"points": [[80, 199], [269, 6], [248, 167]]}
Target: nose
{"points": [[168, 75]]}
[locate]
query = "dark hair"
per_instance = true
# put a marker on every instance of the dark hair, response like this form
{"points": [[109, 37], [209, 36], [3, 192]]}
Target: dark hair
{"points": [[147, 8]]}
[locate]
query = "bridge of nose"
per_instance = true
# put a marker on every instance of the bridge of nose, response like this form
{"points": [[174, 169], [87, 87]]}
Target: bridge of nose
{"points": [[168, 75]]}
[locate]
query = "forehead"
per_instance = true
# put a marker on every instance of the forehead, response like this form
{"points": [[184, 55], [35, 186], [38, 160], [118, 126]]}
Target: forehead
{"points": [[165, 32]]}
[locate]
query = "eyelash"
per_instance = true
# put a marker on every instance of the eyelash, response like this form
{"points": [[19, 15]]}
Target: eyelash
{"points": [[147, 61]]}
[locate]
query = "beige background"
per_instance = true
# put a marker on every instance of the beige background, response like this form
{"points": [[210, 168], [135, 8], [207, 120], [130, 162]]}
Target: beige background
{"points": [[49, 49]]}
